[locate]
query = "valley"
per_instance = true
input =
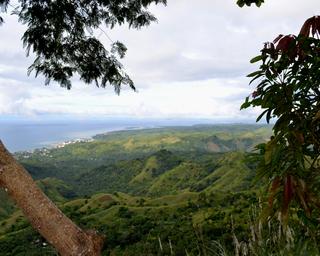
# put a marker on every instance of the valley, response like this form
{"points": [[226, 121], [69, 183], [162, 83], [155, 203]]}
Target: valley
{"points": [[161, 191]]}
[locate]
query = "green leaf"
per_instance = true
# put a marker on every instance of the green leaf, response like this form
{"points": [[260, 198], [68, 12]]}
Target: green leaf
{"points": [[259, 3], [269, 115], [261, 115], [259, 72], [240, 3], [255, 78], [269, 151], [246, 104], [256, 59]]}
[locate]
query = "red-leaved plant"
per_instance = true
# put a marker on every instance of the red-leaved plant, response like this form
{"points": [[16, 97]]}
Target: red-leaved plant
{"points": [[288, 91]]}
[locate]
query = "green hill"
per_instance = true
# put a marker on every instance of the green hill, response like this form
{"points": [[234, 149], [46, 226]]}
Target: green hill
{"points": [[6, 205], [165, 172], [56, 189], [178, 184], [73, 160]]}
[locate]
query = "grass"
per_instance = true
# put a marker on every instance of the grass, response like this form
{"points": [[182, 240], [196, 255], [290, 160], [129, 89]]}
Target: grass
{"points": [[231, 175], [137, 186]]}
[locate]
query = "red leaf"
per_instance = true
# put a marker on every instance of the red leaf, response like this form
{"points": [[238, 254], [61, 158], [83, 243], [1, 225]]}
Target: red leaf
{"points": [[317, 23], [285, 43], [288, 45], [311, 25], [287, 194], [277, 38], [299, 136], [305, 30], [304, 202], [274, 187]]}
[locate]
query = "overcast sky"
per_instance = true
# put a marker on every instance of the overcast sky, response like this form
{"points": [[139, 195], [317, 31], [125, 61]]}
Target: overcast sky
{"points": [[191, 64]]}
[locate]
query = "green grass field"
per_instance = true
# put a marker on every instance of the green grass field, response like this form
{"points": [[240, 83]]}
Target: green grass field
{"points": [[139, 186]]}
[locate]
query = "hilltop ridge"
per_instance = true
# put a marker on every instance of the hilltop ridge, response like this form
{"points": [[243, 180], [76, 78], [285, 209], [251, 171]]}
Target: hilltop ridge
{"points": [[139, 185]]}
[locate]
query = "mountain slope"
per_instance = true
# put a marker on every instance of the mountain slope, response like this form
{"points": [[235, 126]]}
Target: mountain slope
{"points": [[179, 185], [73, 160]]}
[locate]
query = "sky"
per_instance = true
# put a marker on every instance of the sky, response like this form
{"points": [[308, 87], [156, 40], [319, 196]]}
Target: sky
{"points": [[192, 63]]}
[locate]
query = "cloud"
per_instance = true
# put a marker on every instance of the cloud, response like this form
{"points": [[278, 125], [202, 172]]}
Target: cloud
{"points": [[214, 98], [192, 63]]}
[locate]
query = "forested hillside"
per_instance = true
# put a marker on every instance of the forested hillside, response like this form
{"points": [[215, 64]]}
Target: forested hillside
{"points": [[150, 192]]}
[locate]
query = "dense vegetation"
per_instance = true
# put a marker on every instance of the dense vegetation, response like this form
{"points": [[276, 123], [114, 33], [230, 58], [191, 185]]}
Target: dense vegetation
{"points": [[178, 190], [287, 90]]}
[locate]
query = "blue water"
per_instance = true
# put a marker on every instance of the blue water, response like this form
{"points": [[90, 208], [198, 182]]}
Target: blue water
{"points": [[19, 136]]}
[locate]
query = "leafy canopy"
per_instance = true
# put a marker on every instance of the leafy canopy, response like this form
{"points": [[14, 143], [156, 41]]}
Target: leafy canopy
{"points": [[242, 3], [60, 33], [288, 89]]}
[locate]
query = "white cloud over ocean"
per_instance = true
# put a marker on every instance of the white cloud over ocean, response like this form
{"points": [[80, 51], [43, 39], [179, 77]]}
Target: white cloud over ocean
{"points": [[190, 64]]}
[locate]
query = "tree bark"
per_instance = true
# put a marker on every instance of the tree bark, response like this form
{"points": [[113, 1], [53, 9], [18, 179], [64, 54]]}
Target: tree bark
{"points": [[44, 216]]}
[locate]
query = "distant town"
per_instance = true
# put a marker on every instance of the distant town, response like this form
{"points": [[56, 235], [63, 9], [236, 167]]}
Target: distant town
{"points": [[65, 143], [44, 151]]}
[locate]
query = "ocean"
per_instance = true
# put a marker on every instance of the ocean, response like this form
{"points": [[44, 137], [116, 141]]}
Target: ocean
{"points": [[21, 136]]}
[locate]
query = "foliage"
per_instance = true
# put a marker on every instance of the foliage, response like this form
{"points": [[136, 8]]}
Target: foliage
{"points": [[193, 199], [111, 148], [242, 3], [56, 189], [133, 229], [142, 157], [61, 34], [288, 90], [188, 198], [269, 239]]}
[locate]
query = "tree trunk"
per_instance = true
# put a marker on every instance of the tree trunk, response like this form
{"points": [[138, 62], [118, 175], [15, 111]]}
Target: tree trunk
{"points": [[44, 216]]}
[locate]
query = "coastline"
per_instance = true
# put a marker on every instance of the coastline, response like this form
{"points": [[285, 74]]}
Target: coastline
{"points": [[35, 137], [91, 138], [87, 136]]}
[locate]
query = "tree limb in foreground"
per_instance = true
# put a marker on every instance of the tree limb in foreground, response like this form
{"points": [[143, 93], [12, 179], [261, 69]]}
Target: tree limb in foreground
{"points": [[44, 216]]}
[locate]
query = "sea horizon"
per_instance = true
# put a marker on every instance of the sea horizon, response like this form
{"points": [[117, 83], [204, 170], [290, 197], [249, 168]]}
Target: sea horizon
{"points": [[29, 135]]}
